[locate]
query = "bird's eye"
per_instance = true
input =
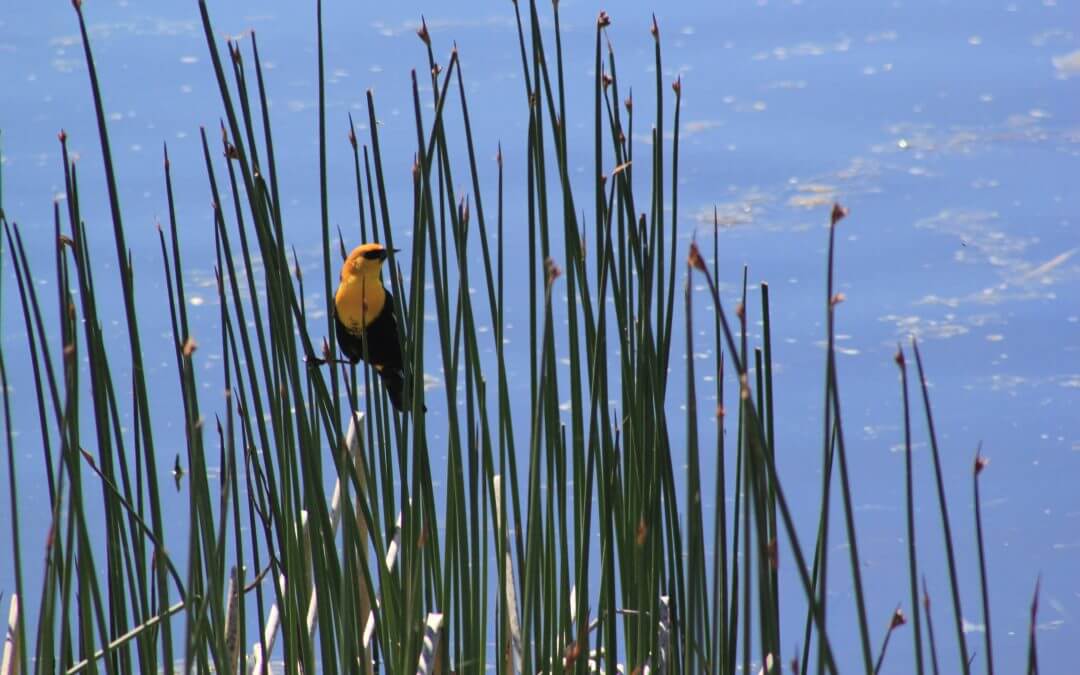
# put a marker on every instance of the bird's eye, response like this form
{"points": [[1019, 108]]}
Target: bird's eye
{"points": [[372, 255]]}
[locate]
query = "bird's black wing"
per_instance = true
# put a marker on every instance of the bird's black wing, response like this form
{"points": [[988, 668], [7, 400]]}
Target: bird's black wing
{"points": [[383, 343], [383, 349], [349, 342]]}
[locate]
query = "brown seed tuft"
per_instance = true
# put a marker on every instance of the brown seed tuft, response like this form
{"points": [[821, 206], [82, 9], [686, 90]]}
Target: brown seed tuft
{"points": [[62, 136], [838, 214], [422, 32], [720, 412], [571, 654], [899, 358], [603, 21], [677, 85], [740, 311], [629, 103], [88, 457], [190, 346], [607, 80], [980, 463], [838, 298], [694, 259], [898, 619], [553, 271], [352, 138], [654, 29]]}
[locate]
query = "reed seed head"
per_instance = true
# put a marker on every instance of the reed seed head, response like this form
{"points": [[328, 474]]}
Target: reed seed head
{"points": [[553, 271], [603, 21], [838, 214], [898, 619], [980, 463], [694, 259], [422, 32], [571, 654]]}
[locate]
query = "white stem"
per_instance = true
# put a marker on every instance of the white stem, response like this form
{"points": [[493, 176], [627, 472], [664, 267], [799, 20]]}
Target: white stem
{"points": [[11, 647], [429, 655]]}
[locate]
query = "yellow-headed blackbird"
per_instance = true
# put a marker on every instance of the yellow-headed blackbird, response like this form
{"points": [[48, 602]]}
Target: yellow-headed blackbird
{"points": [[365, 313]]}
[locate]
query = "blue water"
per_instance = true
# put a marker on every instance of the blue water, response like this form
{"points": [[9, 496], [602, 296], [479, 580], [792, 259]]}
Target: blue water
{"points": [[950, 129]]}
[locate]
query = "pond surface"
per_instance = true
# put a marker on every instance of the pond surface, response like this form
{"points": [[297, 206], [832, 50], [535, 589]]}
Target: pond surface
{"points": [[950, 129]]}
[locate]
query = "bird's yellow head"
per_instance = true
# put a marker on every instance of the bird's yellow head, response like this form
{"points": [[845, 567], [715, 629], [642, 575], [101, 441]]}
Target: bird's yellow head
{"points": [[365, 261]]}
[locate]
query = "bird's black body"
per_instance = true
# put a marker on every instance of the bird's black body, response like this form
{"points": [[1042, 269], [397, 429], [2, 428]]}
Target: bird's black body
{"points": [[383, 349]]}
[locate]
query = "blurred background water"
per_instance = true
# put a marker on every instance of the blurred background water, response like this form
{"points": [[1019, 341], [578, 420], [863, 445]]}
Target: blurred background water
{"points": [[950, 128]]}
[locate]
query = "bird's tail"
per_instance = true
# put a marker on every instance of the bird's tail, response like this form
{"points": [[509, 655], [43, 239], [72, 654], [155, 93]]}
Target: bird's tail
{"points": [[394, 381]]}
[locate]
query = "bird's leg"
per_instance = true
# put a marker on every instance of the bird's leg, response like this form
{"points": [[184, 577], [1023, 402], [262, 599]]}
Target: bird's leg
{"points": [[315, 362]]}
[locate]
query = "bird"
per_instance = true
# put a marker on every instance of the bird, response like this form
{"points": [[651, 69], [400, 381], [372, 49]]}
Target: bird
{"points": [[364, 312]]}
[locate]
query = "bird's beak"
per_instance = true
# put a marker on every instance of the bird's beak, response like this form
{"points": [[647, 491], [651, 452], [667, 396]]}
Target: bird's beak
{"points": [[386, 252]]}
